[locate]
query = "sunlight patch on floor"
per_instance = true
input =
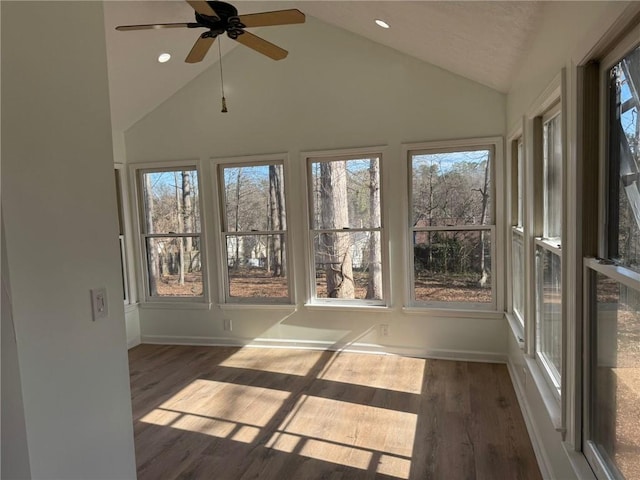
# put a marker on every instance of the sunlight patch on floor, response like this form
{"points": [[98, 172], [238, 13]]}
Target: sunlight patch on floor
{"points": [[400, 374], [285, 361], [351, 434]]}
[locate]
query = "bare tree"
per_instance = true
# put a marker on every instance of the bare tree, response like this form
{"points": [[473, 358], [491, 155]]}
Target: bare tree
{"points": [[151, 248], [374, 285], [276, 218], [335, 215]]}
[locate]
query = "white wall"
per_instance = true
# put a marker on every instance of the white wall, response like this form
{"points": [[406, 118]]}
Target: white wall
{"points": [[15, 451], [61, 233], [334, 90]]}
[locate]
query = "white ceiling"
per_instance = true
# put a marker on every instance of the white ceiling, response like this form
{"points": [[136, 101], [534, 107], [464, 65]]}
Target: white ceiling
{"points": [[481, 40]]}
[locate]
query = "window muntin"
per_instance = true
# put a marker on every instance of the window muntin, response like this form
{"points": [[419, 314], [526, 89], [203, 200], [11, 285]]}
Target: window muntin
{"points": [[171, 233], [254, 229], [518, 273], [452, 225], [346, 229]]}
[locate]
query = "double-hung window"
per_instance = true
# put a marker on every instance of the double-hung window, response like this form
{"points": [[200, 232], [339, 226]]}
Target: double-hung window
{"points": [[548, 268], [171, 238], [612, 436], [346, 231], [122, 240], [254, 230], [517, 230], [452, 226]]}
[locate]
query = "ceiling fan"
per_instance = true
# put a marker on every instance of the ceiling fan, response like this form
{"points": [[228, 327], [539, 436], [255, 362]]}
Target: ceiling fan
{"points": [[220, 17]]}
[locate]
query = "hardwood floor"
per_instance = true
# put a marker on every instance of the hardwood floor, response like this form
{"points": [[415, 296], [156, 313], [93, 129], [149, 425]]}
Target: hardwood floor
{"points": [[236, 414]]}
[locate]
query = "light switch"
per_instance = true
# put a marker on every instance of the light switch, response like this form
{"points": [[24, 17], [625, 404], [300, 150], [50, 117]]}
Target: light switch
{"points": [[99, 306]]}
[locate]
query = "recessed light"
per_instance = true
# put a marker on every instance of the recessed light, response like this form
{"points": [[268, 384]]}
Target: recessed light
{"points": [[382, 23], [164, 57]]}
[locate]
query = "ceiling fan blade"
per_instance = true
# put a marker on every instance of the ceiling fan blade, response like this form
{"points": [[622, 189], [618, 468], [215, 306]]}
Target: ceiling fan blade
{"points": [[279, 17], [199, 49], [125, 28], [203, 8], [262, 46]]}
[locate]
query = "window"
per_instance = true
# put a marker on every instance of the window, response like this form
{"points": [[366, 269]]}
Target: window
{"points": [[548, 254], [346, 231], [452, 226], [171, 233], [254, 230], [517, 230], [612, 435]]}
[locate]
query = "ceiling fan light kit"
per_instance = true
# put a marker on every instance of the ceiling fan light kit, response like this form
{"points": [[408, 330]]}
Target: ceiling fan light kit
{"points": [[221, 17]]}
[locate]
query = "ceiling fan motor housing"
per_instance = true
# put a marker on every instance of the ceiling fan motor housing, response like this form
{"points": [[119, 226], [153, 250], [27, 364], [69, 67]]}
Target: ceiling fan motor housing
{"points": [[227, 20]]}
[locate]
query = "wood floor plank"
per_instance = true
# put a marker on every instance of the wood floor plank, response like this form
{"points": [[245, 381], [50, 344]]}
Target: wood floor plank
{"points": [[271, 414]]}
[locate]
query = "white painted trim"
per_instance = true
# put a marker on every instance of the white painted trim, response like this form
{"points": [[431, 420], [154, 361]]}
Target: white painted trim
{"points": [[534, 434], [457, 355], [454, 313], [169, 305], [548, 98], [286, 307], [344, 306], [134, 342]]}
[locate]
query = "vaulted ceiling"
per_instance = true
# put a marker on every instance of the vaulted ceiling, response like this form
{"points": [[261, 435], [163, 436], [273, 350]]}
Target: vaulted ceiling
{"points": [[480, 40]]}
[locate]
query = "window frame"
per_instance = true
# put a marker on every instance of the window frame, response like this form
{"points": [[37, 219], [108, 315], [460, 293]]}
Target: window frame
{"points": [[344, 155], [495, 146], [137, 171], [123, 234], [517, 205], [218, 166], [607, 267]]}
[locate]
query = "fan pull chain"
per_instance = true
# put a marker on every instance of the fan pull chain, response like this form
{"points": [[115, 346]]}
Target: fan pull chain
{"points": [[224, 100]]}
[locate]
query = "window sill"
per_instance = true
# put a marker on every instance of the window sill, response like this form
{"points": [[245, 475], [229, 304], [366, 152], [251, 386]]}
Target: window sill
{"points": [[348, 307], [454, 313], [550, 401], [258, 306], [516, 328], [175, 305]]}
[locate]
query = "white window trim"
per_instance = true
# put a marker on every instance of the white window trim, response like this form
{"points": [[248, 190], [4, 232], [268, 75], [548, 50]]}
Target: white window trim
{"points": [[143, 277], [224, 300], [126, 240], [516, 322], [497, 228], [551, 101], [345, 154]]}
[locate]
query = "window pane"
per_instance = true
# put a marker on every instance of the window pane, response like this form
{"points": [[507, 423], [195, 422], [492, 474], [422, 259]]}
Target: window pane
{"points": [[624, 208], [257, 266], [171, 201], [254, 198], [616, 378], [345, 194], [520, 185], [452, 266], [553, 178], [549, 312], [175, 266], [518, 275], [450, 189], [348, 265]]}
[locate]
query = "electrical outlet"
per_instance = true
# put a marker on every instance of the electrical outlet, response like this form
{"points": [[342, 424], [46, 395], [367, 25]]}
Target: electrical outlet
{"points": [[384, 329], [227, 325], [99, 306]]}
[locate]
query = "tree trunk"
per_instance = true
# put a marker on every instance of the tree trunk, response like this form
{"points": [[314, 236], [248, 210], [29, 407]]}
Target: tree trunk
{"points": [[485, 200], [236, 263], [335, 215], [274, 216], [152, 251], [179, 213], [187, 216], [374, 285]]}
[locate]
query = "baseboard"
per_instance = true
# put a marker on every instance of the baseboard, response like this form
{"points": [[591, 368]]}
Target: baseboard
{"points": [[536, 441], [458, 355], [133, 342]]}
